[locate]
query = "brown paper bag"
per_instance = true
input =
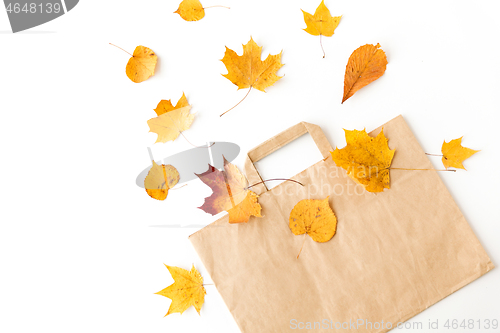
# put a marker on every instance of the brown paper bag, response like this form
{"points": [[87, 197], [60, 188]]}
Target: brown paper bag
{"points": [[395, 253]]}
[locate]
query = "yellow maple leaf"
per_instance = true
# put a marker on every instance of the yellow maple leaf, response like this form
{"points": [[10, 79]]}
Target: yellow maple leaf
{"points": [[171, 121], [367, 160], [249, 206], [230, 193], [366, 64], [160, 179], [322, 22], [454, 154], [166, 105], [142, 64], [191, 10], [248, 70], [187, 290], [315, 218]]}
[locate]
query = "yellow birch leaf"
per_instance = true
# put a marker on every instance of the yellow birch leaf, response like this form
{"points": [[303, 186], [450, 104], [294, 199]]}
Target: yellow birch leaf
{"points": [[142, 64], [160, 179], [187, 290], [366, 64], [315, 218], [454, 154], [191, 10], [367, 160]]}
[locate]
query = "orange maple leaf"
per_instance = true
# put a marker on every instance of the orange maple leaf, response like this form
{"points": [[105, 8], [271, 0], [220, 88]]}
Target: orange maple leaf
{"points": [[248, 71], [366, 159], [454, 154]]}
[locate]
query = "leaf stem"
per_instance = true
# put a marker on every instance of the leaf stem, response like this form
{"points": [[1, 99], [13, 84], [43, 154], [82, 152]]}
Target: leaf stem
{"points": [[422, 169], [268, 180], [320, 43], [193, 144], [238, 102], [176, 188], [180, 132], [216, 6], [433, 154], [120, 48], [409, 168], [302, 246]]}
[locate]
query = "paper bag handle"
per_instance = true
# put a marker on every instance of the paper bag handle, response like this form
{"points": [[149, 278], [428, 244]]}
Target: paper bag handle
{"points": [[276, 143]]}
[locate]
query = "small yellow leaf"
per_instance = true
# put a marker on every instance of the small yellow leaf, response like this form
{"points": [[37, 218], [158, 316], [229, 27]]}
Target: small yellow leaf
{"points": [[248, 70], [160, 179], [314, 217], [366, 159], [454, 154], [322, 22], [170, 123], [191, 10], [366, 64], [187, 290], [142, 64]]}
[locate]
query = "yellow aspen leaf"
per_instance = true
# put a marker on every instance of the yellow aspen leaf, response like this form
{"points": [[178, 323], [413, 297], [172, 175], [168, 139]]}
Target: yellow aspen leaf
{"points": [[230, 194], [454, 154], [187, 290], [366, 159], [142, 64], [315, 218], [191, 10], [366, 64], [166, 105], [170, 123], [322, 22], [248, 70], [160, 179]]}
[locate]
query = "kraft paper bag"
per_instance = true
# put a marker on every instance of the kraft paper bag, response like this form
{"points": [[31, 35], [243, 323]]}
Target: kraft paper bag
{"points": [[394, 254]]}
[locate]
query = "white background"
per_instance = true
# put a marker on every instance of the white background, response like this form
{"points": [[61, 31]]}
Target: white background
{"points": [[82, 247]]}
